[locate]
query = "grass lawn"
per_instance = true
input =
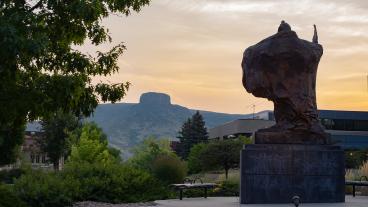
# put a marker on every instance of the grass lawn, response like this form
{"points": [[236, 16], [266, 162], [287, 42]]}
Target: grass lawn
{"points": [[217, 176]]}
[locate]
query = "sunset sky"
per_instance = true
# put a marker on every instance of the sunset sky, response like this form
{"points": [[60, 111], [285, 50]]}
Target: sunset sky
{"points": [[192, 49]]}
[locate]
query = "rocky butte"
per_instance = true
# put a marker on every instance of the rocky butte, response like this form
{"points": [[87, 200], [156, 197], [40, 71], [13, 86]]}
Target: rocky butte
{"points": [[294, 158]]}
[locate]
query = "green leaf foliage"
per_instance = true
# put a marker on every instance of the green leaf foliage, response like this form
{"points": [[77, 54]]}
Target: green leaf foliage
{"points": [[194, 161], [56, 129], [8, 176], [156, 157], [43, 189], [9, 198], [92, 173], [11, 137], [113, 183], [91, 147], [217, 154], [40, 69], [169, 169], [147, 151]]}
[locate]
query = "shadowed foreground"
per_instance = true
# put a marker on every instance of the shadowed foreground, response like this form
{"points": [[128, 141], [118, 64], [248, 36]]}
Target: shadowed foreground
{"points": [[234, 201]]}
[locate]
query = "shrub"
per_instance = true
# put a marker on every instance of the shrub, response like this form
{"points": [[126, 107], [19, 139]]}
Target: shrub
{"points": [[91, 146], [194, 161], [228, 187], [196, 192], [224, 188], [8, 198], [147, 151], [43, 189], [363, 171], [352, 174], [113, 183], [8, 176], [169, 169]]}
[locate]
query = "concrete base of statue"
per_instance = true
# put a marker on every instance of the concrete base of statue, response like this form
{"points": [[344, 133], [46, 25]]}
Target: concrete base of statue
{"points": [[275, 173]]}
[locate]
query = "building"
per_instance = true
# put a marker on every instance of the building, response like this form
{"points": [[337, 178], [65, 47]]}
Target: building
{"points": [[31, 152], [348, 129], [31, 149], [245, 127]]}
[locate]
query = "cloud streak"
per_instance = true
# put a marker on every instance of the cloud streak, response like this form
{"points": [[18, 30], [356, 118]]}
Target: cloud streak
{"points": [[192, 49]]}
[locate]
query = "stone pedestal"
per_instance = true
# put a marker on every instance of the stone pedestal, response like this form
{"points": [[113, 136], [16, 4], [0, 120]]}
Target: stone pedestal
{"points": [[274, 173]]}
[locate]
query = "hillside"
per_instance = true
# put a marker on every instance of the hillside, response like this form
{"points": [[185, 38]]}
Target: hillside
{"points": [[127, 124]]}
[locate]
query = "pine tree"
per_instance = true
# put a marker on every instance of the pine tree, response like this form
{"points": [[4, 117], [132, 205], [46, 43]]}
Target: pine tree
{"points": [[199, 130], [192, 132]]}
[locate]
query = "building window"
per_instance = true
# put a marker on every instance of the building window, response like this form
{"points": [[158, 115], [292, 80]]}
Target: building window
{"points": [[32, 158], [43, 159], [37, 158], [345, 124]]}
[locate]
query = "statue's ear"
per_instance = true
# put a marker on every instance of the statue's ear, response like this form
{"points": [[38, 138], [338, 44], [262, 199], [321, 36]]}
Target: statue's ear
{"points": [[315, 35]]}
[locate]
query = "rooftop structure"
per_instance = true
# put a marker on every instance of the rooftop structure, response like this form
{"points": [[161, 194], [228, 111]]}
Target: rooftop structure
{"points": [[348, 129]]}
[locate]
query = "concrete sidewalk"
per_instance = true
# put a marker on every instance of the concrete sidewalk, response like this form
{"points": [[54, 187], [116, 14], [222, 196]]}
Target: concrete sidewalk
{"points": [[359, 201]]}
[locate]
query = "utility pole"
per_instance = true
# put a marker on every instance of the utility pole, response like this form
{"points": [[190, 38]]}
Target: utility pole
{"points": [[254, 110]]}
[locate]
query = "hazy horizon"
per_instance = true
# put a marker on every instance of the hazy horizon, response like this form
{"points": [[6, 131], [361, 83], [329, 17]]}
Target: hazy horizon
{"points": [[192, 50]]}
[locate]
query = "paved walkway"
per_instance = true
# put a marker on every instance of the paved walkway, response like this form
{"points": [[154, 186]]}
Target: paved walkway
{"points": [[359, 201]]}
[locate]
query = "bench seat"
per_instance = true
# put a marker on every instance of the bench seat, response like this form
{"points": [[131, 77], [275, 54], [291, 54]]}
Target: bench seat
{"points": [[183, 186], [356, 183]]}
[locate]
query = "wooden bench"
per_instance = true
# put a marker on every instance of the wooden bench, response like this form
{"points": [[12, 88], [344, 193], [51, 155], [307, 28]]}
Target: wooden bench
{"points": [[357, 183], [190, 184]]}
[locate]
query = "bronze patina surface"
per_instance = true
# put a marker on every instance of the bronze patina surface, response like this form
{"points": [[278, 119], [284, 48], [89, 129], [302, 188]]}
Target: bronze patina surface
{"points": [[283, 69]]}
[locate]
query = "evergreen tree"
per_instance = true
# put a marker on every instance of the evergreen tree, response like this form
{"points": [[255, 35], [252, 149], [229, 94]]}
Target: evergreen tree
{"points": [[192, 132], [185, 139], [199, 129]]}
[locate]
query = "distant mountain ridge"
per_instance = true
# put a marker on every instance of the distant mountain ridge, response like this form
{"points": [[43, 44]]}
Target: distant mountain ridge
{"points": [[127, 124]]}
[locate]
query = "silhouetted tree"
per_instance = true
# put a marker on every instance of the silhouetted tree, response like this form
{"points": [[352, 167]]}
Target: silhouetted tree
{"points": [[56, 129], [42, 71], [192, 132]]}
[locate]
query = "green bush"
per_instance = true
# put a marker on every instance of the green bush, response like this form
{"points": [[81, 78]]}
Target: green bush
{"points": [[44, 189], [114, 183], [8, 176], [147, 151], [169, 169], [225, 188], [194, 161], [197, 193], [228, 187], [8, 198]]}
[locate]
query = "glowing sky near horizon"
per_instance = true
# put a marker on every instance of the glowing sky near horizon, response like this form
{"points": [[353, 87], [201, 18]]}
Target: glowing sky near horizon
{"points": [[192, 49]]}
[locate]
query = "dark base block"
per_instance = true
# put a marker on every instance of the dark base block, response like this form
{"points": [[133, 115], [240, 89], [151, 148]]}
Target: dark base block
{"points": [[291, 137], [277, 173]]}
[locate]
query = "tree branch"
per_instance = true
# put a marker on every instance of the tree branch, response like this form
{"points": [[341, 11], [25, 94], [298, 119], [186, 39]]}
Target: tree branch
{"points": [[36, 6]]}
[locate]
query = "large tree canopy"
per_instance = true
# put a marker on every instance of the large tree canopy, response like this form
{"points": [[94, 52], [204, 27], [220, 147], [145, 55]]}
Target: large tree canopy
{"points": [[41, 72]]}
